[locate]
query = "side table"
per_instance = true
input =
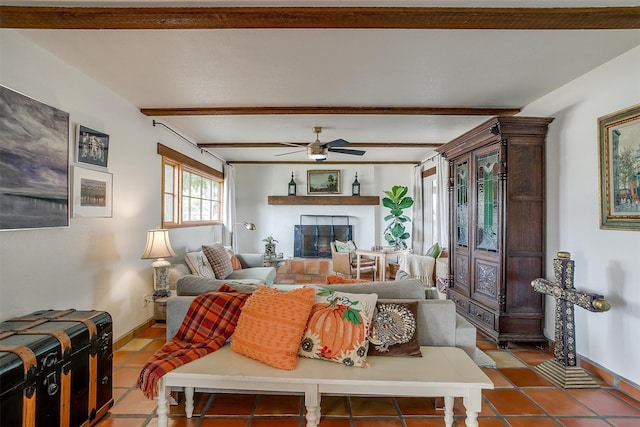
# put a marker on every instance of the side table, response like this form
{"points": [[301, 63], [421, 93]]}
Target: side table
{"points": [[159, 307], [274, 261]]}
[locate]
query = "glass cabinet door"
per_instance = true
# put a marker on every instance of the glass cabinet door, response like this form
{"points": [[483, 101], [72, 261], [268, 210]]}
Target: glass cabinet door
{"points": [[487, 212], [462, 208]]}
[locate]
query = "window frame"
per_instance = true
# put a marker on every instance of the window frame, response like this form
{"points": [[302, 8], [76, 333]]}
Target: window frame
{"points": [[181, 164]]}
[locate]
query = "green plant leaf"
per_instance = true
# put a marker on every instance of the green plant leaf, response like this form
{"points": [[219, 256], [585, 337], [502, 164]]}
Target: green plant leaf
{"points": [[406, 203], [388, 203], [401, 191]]}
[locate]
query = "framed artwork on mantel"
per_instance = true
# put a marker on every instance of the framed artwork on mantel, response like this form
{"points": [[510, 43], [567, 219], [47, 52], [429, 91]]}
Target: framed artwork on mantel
{"points": [[323, 182], [619, 144]]}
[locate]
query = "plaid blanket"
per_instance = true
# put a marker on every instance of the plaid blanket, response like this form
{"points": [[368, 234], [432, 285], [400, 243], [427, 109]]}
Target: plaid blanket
{"points": [[209, 322]]}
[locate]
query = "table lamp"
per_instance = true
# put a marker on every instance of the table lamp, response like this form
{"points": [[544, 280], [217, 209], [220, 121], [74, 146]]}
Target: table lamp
{"points": [[158, 246]]}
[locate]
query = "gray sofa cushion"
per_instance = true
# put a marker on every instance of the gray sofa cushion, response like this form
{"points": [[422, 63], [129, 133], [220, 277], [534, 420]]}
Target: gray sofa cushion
{"points": [[405, 289], [191, 285], [266, 275]]}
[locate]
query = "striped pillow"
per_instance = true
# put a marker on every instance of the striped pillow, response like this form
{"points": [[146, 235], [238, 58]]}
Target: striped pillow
{"points": [[219, 260]]}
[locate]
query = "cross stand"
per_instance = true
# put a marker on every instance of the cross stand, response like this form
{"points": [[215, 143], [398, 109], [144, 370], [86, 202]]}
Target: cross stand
{"points": [[563, 369]]}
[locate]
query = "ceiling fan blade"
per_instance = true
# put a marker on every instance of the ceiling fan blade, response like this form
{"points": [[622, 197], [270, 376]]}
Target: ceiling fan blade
{"points": [[346, 151], [337, 143], [290, 152]]}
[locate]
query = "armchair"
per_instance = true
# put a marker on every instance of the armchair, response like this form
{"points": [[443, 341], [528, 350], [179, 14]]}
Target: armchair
{"points": [[344, 264]]}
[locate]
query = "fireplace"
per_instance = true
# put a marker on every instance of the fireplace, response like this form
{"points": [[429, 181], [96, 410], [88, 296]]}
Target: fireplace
{"points": [[312, 237]]}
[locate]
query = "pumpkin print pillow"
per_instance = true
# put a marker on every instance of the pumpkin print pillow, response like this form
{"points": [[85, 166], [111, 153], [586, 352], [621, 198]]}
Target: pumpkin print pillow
{"points": [[338, 327]]}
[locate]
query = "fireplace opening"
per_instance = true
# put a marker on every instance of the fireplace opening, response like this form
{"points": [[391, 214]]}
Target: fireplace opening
{"points": [[313, 236]]}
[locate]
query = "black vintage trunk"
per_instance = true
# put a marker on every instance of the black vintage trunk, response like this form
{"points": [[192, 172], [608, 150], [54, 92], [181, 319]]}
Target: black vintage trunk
{"points": [[56, 368]]}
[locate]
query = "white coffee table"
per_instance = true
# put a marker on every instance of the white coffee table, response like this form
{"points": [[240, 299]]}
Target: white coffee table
{"points": [[442, 372]]}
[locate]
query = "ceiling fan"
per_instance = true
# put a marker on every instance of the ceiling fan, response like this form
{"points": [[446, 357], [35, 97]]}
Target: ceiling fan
{"points": [[318, 151]]}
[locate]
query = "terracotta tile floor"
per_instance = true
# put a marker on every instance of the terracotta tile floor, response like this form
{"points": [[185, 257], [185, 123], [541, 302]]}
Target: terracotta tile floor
{"points": [[521, 398]]}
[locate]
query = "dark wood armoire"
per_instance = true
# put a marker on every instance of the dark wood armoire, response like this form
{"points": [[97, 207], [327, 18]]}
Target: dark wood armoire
{"points": [[497, 226]]}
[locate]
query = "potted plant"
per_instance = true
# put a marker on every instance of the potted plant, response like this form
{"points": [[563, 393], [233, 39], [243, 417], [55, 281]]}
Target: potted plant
{"points": [[270, 245], [397, 201]]}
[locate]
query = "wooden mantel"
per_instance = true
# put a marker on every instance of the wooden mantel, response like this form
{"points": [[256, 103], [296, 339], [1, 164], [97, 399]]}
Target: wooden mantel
{"points": [[324, 200]]}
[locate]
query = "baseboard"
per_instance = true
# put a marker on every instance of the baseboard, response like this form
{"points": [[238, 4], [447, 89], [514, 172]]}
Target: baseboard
{"points": [[611, 378], [135, 332]]}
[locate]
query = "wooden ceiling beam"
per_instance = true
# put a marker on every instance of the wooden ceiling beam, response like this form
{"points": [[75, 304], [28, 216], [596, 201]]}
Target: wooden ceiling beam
{"points": [[461, 18], [324, 162], [304, 145], [417, 111]]}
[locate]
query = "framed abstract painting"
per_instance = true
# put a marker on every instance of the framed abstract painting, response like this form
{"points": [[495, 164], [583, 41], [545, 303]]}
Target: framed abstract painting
{"points": [[34, 163]]}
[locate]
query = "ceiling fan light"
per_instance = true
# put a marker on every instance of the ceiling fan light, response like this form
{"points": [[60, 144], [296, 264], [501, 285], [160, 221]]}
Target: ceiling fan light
{"points": [[316, 152]]}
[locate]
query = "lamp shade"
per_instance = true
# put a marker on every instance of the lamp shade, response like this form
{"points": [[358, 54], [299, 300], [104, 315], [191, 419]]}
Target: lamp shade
{"points": [[158, 245]]}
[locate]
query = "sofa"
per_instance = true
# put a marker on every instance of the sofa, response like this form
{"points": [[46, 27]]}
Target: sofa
{"points": [[252, 272], [438, 323]]}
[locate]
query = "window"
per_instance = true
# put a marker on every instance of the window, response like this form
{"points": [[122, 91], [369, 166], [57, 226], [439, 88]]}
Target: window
{"points": [[191, 195]]}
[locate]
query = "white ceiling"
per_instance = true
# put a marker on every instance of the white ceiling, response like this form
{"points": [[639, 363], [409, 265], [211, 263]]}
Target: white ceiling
{"points": [[333, 67]]}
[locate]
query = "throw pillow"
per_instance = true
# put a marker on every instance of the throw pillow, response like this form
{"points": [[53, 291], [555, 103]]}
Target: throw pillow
{"points": [[235, 263], [199, 264], [347, 246], [394, 330], [271, 324], [338, 327], [333, 279], [403, 275], [433, 251], [219, 259]]}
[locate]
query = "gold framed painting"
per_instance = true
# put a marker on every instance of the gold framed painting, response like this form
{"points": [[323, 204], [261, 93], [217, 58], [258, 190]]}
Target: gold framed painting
{"points": [[619, 144], [323, 182]]}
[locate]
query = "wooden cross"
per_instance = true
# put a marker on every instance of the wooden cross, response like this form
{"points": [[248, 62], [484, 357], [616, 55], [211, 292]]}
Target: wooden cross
{"points": [[564, 367]]}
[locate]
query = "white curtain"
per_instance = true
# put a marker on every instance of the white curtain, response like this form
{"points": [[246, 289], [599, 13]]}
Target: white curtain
{"points": [[417, 234], [229, 202], [442, 170]]}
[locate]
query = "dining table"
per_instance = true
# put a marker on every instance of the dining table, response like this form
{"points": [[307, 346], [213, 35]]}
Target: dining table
{"points": [[381, 260]]}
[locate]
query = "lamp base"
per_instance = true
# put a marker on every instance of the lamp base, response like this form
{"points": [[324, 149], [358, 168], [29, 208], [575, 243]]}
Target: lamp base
{"points": [[161, 278], [161, 294]]}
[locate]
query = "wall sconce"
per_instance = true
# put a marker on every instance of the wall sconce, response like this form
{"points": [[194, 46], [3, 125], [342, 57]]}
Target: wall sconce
{"points": [[158, 246], [234, 238], [355, 187], [292, 186]]}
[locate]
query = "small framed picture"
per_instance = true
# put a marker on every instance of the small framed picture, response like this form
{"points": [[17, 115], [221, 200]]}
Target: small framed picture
{"points": [[619, 135], [92, 193], [323, 182], [92, 147]]}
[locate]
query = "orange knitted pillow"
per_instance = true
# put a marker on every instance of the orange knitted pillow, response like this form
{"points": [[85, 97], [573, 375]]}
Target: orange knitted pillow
{"points": [[271, 324], [333, 279]]}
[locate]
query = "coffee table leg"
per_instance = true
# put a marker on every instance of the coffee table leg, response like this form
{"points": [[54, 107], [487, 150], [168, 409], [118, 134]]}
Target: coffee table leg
{"points": [[448, 411], [473, 405], [162, 404], [188, 404], [312, 404]]}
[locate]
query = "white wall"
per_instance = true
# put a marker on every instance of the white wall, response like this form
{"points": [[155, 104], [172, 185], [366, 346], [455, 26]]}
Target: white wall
{"points": [[95, 262], [255, 182], [606, 261]]}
